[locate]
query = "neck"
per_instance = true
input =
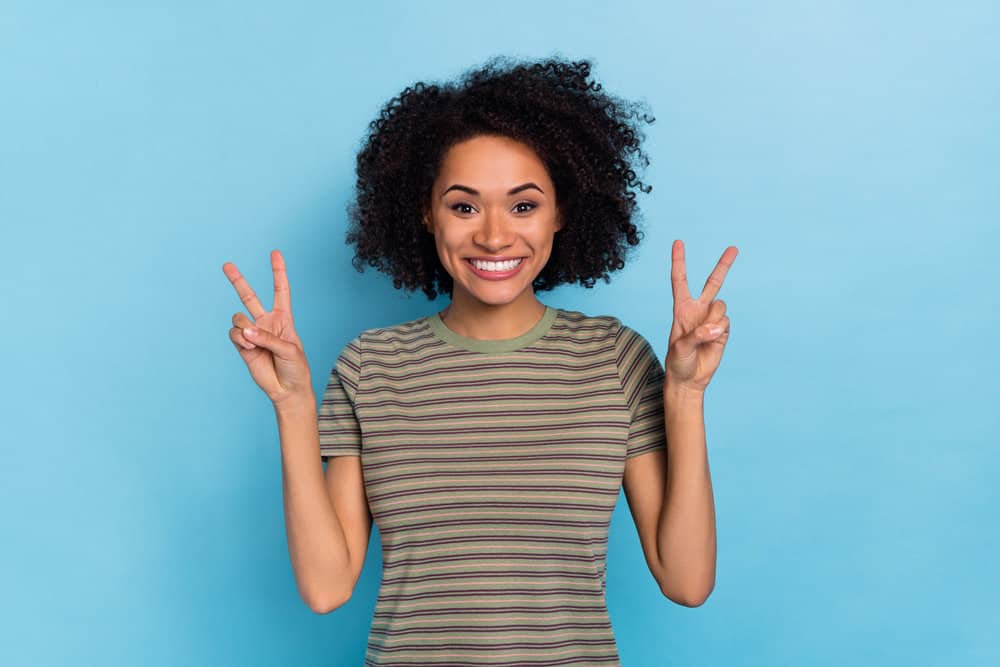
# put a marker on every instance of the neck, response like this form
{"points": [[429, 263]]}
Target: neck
{"points": [[469, 317]]}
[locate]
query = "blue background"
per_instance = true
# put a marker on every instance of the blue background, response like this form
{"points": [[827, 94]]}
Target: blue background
{"points": [[849, 150]]}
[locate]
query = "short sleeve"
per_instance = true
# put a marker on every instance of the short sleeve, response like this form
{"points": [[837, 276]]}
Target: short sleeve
{"points": [[339, 430], [641, 374]]}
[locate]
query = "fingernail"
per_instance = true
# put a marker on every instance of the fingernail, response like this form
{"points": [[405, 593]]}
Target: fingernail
{"points": [[715, 331], [249, 331]]}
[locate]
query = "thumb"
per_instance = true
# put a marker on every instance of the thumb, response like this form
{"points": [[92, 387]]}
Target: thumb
{"points": [[703, 334], [263, 338], [710, 331]]}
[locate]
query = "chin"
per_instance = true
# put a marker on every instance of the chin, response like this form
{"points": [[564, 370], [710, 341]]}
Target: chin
{"points": [[493, 295], [494, 299]]}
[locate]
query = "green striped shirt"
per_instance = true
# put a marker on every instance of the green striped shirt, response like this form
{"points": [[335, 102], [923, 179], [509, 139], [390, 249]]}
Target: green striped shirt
{"points": [[492, 468]]}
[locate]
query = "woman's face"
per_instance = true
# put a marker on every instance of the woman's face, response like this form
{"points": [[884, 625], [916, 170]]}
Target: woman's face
{"points": [[492, 200]]}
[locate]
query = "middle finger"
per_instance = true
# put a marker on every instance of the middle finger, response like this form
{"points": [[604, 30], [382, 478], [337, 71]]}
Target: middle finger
{"points": [[714, 282]]}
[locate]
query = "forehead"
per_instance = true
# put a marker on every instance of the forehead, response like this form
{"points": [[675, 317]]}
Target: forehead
{"points": [[489, 161]]}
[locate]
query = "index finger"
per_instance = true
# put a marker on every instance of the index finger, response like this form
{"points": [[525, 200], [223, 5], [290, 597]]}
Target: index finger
{"points": [[247, 295], [282, 295]]}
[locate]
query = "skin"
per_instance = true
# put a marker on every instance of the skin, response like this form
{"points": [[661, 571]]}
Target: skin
{"points": [[492, 223], [267, 340], [669, 493]]}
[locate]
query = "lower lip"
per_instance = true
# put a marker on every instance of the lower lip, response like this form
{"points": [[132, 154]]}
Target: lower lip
{"points": [[495, 275]]}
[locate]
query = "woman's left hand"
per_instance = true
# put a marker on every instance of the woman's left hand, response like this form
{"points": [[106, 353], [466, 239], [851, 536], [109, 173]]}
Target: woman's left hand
{"points": [[694, 351]]}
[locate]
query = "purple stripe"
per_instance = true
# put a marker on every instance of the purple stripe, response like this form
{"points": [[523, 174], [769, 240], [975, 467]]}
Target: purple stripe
{"points": [[549, 440], [489, 382], [422, 371], [576, 641], [401, 563], [492, 628], [443, 611], [495, 413], [479, 488], [487, 398], [492, 429], [409, 476], [478, 574], [493, 505], [570, 456], [487, 592], [501, 537], [420, 526]]}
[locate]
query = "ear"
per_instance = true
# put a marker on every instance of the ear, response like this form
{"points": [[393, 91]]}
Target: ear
{"points": [[425, 220]]}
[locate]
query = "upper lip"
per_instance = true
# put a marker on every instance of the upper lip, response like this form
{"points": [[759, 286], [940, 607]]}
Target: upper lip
{"points": [[487, 258]]}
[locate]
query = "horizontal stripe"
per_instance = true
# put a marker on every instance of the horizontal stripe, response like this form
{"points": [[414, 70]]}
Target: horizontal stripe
{"points": [[492, 477]]}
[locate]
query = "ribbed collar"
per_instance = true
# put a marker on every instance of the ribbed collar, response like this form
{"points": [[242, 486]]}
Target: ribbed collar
{"points": [[541, 328]]}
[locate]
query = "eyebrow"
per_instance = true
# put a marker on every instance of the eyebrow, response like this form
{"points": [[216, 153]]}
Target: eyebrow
{"points": [[512, 191]]}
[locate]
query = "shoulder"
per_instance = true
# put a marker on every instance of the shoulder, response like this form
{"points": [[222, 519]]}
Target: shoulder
{"points": [[392, 339], [605, 331], [581, 327]]}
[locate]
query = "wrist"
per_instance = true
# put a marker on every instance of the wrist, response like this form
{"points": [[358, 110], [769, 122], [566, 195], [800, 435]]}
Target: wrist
{"points": [[677, 393], [295, 405]]}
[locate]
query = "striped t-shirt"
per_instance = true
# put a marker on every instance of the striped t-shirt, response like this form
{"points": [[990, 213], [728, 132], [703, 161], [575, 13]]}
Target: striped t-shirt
{"points": [[492, 468]]}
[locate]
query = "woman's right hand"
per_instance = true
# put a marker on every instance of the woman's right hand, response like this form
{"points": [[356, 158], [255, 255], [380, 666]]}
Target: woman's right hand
{"points": [[274, 355]]}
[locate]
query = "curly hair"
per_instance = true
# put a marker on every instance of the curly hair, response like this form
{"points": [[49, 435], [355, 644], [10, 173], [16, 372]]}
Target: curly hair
{"points": [[588, 140]]}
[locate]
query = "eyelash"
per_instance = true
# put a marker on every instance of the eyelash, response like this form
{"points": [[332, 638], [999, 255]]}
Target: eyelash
{"points": [[533, 206]]}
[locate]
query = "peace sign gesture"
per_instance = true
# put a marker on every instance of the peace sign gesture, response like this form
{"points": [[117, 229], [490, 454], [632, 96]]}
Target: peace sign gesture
{"points": [[695, 347], [272, 350]]}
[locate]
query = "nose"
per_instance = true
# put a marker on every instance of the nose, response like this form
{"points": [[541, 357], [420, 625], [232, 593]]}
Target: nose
{"points": [[495, 233]]}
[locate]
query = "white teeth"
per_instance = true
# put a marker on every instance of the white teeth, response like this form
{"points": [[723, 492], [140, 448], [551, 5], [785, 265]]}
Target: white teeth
{"points": [[496, 266]]}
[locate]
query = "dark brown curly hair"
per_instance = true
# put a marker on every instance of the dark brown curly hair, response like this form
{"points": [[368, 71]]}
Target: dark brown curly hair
{"points": [[588, 140]]}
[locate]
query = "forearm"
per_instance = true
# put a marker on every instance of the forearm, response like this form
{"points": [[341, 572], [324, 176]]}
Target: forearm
{"points": [[316, 541], [686, 532]]}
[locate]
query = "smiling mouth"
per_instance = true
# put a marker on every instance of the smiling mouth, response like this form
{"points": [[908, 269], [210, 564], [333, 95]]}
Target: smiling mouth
{"points": [[498, 267]]}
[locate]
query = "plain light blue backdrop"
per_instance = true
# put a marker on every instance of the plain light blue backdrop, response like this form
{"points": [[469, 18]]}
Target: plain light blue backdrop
{"points": [[849, 150]]}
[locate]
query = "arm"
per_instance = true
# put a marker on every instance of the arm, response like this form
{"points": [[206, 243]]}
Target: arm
{"points": [[670, 496], [685, 535], [326, 521], [316, 540]]}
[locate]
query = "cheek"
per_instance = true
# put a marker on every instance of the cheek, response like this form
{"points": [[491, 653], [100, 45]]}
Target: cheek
{"points": [[542, 239], [450, 240], [449, 247]]}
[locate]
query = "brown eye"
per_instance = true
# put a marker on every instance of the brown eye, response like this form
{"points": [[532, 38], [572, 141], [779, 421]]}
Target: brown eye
{"points": [[529, 204], [462, 205]]}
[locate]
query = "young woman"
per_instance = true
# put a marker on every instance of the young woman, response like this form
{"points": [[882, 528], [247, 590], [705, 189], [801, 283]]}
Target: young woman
{"points": [[489, 441]]}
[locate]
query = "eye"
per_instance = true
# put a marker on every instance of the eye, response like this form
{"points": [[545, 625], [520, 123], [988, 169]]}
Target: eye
{"points": [[462, 205], [529, 204]]}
